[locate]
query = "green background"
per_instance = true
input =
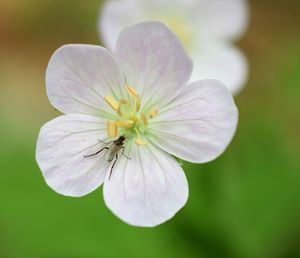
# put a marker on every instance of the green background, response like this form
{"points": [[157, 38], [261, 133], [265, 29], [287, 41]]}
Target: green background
{"points": [[243, 205]]}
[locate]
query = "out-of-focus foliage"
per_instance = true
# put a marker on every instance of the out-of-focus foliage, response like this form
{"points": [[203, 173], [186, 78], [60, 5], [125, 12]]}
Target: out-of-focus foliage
{"points": [[246, 204]]}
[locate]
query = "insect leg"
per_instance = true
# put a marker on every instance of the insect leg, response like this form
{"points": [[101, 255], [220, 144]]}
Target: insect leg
{"points": [[105, 148], [113, 166], [123, 149]]}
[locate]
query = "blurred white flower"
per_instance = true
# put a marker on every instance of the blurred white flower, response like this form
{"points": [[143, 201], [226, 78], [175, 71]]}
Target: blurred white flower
{"points": [[138, 93], [205, 27]]}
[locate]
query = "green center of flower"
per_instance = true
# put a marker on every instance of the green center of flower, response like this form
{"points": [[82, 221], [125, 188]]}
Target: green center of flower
{"points": [[130, 120]]}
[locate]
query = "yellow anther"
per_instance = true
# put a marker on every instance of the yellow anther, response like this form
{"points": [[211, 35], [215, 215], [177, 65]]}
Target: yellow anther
{"points": [[153, 113], [139, 141], [112, 128], [144, 118], [127, 123], [124, 101], [131, 91], [138, 103], [112, 102]]}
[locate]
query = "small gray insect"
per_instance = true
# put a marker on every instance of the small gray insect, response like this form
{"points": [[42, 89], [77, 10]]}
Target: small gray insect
{"points": [[112, 151]]}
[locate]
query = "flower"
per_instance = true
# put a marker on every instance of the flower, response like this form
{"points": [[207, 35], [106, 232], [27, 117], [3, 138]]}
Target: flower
{"points": [[205, 27], [140, 94]]}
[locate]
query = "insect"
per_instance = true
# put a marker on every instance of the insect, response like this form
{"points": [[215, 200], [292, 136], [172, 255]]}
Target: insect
{"points": [[112, 151]]}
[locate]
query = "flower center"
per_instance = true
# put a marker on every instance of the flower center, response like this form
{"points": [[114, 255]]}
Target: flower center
{"points": [[130, 120]]}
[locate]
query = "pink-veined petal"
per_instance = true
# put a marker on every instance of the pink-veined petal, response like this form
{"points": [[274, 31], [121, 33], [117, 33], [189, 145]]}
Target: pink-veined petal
{"points": [[220, 61], [148, 189], [154, 62], [199, 124], [62, 144], [79, 76]]}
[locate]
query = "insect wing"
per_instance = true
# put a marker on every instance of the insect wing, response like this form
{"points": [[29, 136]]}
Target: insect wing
{"points": [[111, 152]]}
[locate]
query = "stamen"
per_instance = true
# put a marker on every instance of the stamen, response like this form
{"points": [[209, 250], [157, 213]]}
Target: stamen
{"points": [[138, 140], [127, 123], [119, 111], [144, 118], [153, 113], [124, 101], [112, 128], [131, 91], [131, 121], [138, 103], [112, 102], [136, 96]]}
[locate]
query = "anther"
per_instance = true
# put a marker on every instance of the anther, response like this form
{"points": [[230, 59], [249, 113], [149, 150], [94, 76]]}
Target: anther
{"points": [[112, 128], [127, 123], [136, 96], [112, 102], [144, 118], [124, 101], [138, 103], [153, 113], [131, 91]]}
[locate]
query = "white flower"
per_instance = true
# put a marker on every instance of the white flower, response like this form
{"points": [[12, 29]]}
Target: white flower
{"points": [[205, 27], [140, 93]]}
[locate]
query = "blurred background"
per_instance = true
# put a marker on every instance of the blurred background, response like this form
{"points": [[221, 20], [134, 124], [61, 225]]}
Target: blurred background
{"points": [[246, 204]]}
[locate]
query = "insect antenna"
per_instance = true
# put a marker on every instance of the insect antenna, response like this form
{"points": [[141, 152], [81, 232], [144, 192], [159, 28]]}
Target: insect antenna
{"points": [[105, 142]]}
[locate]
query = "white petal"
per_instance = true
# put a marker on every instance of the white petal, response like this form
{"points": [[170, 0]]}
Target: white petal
{"points": [[154, 61], [209, 19], [220, 61], [222, 19], [79, 76], [198, 125], [115, 16], [61, 147], [148, 189]]}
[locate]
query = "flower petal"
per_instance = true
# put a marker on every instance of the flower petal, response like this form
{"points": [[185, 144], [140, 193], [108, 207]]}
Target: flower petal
{"points": [[220, 19], [154, 62], [221, 61], [210, 19], [148, 189], [79, 76], [61, 147], [115, 16], [198, 125]]}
